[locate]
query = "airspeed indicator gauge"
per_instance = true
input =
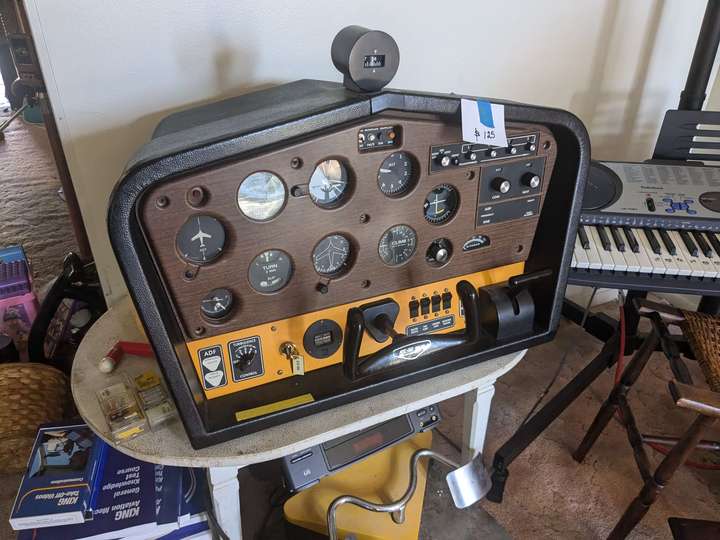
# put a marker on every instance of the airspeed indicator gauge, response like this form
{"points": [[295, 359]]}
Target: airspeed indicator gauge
{"points": [[397, 245]]}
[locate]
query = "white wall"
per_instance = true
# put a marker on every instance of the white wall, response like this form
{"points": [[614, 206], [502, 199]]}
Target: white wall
{"points": [[114, 68]]}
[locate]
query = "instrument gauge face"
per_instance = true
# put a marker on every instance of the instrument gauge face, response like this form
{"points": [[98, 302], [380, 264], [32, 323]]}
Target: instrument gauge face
{"points": [[217, 303], [201, 239], [328, 184], [395, 176], [261, 196], [397, 245], [331, 255], [441, 204], [270, 271]]}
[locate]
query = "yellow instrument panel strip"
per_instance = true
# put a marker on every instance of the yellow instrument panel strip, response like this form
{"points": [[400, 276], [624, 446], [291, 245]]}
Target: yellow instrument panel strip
{"points": [[273, 407], [272, 335]]}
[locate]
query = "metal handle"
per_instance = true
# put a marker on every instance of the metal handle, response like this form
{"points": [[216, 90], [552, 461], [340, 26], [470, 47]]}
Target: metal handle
{"points": [[395, 508]]}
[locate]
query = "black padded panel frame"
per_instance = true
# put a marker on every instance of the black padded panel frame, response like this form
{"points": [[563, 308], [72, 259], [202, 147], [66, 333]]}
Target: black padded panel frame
{"points": [[229, 130]]}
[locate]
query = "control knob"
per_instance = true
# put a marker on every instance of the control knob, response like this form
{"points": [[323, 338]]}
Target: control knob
{"points": [[472, 156], [243, 357], [501, 184], [531, 180], [443, 160], [439, 252]]}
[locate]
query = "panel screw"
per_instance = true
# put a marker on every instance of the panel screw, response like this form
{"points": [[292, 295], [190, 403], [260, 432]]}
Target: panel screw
{"points": [[364, 218], [469, 175], [365, 283], [199, 331], [321, 288], [162, 201], [280, 372], [546, 145], [273, 329], [296, 163], [196, 196]]}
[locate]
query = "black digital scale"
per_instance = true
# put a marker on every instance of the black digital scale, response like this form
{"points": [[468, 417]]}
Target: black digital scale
{"points": [[306, 467]]}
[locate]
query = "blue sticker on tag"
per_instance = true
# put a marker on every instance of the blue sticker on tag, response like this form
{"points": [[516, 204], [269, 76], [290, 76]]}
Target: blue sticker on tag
{"points": [[483, 122]]}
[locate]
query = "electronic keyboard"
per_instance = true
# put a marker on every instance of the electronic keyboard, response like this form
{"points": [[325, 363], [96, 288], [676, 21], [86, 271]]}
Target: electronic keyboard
{"points": [[649, 227]]}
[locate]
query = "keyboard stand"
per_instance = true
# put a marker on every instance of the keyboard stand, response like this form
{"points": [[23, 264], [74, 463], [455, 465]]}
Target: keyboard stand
{"points": [[605, 329]]}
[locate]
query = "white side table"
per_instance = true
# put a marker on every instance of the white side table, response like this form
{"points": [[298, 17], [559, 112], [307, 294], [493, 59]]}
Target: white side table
{"points": [[171, 446]]}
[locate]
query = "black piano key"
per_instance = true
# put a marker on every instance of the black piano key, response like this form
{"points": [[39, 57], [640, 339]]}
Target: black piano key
{"points": [[654, 245], [702, 243], [619, 242], [632, 241], [689, 244], [669, 244], [584, 241], [604, 238], [714, 242]]}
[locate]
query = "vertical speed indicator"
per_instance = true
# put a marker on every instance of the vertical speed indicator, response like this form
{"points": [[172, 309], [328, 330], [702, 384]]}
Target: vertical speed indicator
{"points": [[397, 245]]}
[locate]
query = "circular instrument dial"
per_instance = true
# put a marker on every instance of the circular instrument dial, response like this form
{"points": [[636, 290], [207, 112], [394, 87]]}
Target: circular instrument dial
{"points": [[331, 255], [396, 174], [270, 271], [201, 239], [217, 303], [441, 204], [261, 196], [328, 183], [397, 245]]}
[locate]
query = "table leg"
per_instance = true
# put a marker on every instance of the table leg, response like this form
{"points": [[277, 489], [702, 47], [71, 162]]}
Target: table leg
{"points": [[225, 495], [475, 421]]}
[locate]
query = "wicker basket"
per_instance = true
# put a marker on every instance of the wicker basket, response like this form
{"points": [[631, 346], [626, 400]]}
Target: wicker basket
{"points": [[703, 333], [31, 394]]}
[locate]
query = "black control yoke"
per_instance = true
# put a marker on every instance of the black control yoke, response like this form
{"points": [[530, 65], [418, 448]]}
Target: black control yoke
{"points": [[403, 349]]}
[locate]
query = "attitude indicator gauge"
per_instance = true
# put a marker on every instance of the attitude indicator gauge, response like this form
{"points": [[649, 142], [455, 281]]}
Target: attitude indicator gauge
{"points": [[441, 204], [261, 196], [331, 255], [395, 177], [217, 304], [397, 245], [270, 271], [328, 184], [201, 239]]}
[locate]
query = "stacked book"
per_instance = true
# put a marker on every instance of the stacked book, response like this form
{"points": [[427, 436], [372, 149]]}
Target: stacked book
{"points": [[77, 487]]}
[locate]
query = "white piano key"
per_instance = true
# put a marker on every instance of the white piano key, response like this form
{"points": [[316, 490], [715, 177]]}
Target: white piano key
{"points": [[673, 263], [592, 252], [658, 266], [696, 267], [711, 265], [573, 264], [632, 262], [646, 266], [581, 258], [618, 258], [605, 258], [683, 265]]}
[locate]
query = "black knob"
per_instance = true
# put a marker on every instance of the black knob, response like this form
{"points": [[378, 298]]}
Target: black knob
{"points": [[439, 252], [443, 160], [502, 185], [531, 180], [243, 357]]}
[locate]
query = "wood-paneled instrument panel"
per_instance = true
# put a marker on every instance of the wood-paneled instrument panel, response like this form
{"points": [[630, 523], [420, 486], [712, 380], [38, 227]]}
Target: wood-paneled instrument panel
{"points": [[363, 217]]}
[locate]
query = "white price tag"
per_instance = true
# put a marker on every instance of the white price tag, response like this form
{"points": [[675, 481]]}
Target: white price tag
{"points": [[483, 122]]}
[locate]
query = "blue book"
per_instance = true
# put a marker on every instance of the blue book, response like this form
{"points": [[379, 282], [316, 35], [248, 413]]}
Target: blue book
{"points": [[59, 486], [126, 506]]}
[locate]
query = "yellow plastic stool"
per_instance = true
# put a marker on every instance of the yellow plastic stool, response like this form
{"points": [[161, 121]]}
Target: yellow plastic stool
{"points": [[381, 478]]}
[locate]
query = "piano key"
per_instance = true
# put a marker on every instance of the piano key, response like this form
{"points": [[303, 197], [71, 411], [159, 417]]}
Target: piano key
{"points": [[633, 265], [584, 241], [688, 241], [632, 241], [581, 258], [619, 261], [702, 244], [617, 238], [656, 262], [593, 255], [683, 266], [573, 263], [669, 245], [711, 266], [606, 260], [646, 266], [696, 266], [714, 242], [654, 244], [603, 236]]}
